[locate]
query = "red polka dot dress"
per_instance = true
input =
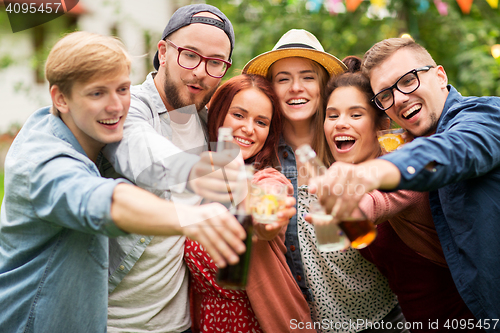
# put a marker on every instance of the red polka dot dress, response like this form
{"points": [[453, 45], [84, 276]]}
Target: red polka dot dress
{"points": [[222, 310]]}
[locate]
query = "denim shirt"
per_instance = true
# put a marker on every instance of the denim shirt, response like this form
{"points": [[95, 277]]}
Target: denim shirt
{"points": [[54, 228], [465, 194], [293, 258], [147, 157]]}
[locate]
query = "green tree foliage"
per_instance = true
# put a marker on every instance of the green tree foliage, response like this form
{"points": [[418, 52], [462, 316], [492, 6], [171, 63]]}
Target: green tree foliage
{"points": [[459, 42]]}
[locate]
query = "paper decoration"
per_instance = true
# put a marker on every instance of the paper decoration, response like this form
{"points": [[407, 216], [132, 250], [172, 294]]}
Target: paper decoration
{"points": [[465, 5], [493, 3], [423, 6], [352, 4], [442, 7], [314, 5], [378, 3], [335, 7]]}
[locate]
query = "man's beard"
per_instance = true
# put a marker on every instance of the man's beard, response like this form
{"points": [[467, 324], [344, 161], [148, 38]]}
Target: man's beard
{"points": [[173, 96], [431, 129]]}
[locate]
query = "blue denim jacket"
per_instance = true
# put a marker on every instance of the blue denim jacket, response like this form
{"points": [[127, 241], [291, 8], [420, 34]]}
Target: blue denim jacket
{"points": [[465, 197], [293, 257], [54, 224]]}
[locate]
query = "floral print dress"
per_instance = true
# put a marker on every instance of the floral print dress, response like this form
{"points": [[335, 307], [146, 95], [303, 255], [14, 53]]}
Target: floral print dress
{"points": [[222, 310]]}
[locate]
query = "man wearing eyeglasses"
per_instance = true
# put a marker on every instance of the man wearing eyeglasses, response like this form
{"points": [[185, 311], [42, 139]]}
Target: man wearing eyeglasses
{"points": [[456, 157], [164, 151]]}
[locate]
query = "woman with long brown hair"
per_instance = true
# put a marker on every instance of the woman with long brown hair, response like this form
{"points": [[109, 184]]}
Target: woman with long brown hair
{"points": [[268, 119], [248, 105]]}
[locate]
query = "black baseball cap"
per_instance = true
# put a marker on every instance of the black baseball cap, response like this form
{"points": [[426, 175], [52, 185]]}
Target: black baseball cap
{"points": [[184, 16]]}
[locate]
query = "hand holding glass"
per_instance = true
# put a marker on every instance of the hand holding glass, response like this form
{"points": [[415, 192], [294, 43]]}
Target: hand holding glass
{"points": [[267, 200], [360, 231], [329, 237]]}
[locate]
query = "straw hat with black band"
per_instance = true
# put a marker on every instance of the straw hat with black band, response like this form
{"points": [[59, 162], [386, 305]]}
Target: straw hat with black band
{"points": [[295, 43]]}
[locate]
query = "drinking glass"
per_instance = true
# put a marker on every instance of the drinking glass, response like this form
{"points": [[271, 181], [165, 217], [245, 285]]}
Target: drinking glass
{"points": [[360, 231], [329, 237], [391, 139], [267, 200]]}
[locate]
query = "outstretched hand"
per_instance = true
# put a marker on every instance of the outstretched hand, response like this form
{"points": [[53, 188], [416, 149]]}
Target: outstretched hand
{"points": [[218, 231], [215, 175], [269, 231], [342, 187]]}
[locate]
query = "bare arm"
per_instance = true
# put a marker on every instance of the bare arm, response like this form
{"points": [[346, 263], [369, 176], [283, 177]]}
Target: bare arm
{"points": [[137, 211]]}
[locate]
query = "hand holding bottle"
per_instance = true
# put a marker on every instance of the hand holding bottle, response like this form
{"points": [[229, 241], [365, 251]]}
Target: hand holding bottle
{"points": [[218, 231], [269, 231], [215, 176], [337, 192]]}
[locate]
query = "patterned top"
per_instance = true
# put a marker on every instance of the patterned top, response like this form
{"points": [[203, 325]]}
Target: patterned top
{"points": [[222, 310], [345, 286]]}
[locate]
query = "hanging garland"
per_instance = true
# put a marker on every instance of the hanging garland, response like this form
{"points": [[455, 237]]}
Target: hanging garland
{"points": [[423, 5]]}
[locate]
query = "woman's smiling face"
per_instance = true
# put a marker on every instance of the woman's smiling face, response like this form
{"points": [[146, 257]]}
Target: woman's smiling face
{"points": [[249, 115], [298, 87], [351, 126]]}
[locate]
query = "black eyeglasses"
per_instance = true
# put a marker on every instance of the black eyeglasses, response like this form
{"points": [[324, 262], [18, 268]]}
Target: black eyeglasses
{"points": [[406, 84], [190, 59]]}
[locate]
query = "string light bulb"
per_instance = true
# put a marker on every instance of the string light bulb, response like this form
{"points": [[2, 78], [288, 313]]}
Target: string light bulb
{"points": [[495, 51]]}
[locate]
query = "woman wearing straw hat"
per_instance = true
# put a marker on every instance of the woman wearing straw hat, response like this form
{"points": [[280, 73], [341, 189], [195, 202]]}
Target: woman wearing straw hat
{"points": [[345, 292]]}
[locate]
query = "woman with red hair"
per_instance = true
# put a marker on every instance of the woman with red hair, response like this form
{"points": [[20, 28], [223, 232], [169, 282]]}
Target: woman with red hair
{"points": [[248, 105], [261, 118]]}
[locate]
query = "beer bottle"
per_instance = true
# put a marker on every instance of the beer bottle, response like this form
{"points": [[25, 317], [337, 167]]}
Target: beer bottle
{"points": [[235, 276]]}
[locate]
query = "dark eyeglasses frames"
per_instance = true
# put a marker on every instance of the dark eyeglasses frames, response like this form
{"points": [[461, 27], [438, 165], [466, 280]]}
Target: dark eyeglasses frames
{"points": [[406, 84]]}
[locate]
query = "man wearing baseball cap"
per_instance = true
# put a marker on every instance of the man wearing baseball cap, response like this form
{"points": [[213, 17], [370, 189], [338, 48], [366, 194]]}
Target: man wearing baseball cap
{"points": [[164, 151]]}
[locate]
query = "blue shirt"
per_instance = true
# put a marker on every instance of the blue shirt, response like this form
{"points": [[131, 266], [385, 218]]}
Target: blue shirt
{"points": [[54, 224], [465, 194]]}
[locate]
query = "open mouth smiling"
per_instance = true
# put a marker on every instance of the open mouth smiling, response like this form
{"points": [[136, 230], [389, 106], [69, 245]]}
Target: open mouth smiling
{"points": [[243, 141], [297, 101], [344, 142], [111, 121], [412, 111]]}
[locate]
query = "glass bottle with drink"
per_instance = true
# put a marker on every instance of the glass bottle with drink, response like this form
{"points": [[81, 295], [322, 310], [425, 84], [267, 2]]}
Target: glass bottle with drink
{"points": [[225, 143], [235, 276], [360, 231]]}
